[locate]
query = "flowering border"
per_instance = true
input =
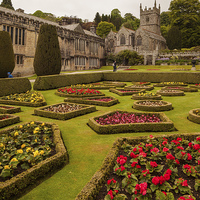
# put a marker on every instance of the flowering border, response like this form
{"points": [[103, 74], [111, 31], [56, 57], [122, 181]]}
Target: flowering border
{"points": [[177, 93], [12, 119], [114, 83], [193, 117], [17, 184], [169, 84], [165, 125], [155, 97], [146, 87], [185, 89], [10, 110], [134, 91], [165, 107], [92, 188], [64, 116], [90, 101]]}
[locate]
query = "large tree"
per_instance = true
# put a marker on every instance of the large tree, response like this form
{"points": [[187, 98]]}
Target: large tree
{"points": [[7, 4], [186, 16], [7, 58], [47, 59], [104, 28], [97, 19], [116, 18]]}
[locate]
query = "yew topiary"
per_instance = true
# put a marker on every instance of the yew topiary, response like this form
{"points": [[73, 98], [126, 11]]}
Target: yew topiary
{"points": [[47, 59], [7, 58]]}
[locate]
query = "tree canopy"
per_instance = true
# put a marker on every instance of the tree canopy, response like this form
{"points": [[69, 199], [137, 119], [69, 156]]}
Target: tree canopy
{"points": [[7, 4], [104, 28]]}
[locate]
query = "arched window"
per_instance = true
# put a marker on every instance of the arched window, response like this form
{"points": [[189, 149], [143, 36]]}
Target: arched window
{"points": [[122, 40], [139, 40]]}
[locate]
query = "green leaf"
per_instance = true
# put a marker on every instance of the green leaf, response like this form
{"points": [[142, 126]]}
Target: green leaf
{"points": [[25, 166], [107, 197], [160, 195], [6, 173], [154, 187]]}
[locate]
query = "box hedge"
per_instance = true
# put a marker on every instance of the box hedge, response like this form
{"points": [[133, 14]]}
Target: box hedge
{"points": [[12, 119], [185, 89], [152, 108], [153, 97], [9, 109], [165, 93], [91, 101], [118, 91], [14, 85], [18, 184], [165, 125], [193, 115], [93, 187], [64, 116]]}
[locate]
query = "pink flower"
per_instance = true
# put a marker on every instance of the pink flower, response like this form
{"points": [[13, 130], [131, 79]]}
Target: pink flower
{"points": [[153, 164], [156, 150]]}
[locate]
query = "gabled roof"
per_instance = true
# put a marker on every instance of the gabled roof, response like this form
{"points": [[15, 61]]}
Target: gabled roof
{"points": [[74, 27], [154, 35]]}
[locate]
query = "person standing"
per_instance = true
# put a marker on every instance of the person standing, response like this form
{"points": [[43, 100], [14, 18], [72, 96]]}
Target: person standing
{"points": [[114, 66]]}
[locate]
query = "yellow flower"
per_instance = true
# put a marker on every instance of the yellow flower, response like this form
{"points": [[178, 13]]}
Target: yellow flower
{"points": [[20, 126], [32, 122], [36, 153], [6, 167], [14, 160], [41, 152], [35, 140], [16, 134], [28, 149], [19, 151], [1, 145], [43, 124], [0, 163], [23, 145]]}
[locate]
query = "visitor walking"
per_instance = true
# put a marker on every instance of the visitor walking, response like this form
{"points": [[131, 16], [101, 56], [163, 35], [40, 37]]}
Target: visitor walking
{"points": [[115, 66], [10, 75]]}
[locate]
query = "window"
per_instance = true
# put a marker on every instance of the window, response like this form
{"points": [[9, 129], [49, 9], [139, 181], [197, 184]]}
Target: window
{"points": [[147, 19], [139, 40], [4, 28], [20, 36], [19, 59], [23, 37], [16, 35], [11, 33], [122, 40]]}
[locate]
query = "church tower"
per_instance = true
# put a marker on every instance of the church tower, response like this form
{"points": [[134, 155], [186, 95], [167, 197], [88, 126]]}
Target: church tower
{"points": [[150, 19]]}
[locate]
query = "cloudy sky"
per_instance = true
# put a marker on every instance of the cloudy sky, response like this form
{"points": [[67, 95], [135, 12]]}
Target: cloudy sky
{"points": [[86, 9]]}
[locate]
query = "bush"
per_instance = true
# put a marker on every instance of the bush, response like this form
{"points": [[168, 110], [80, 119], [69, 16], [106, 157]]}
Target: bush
{"points": [[7, 59], [47, 59]]}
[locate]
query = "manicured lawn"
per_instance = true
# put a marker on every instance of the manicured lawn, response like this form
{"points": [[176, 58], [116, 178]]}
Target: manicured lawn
{"points": [[87, 149]]}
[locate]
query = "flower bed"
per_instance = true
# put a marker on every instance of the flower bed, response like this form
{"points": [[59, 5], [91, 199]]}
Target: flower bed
{"points": [[141, 83], [9, 109], [152, 105], [125, 92], [99, 101], [144, 87], [143, 96], [64, 111], [194, 115], [170, 92], [97, 86], [162, 84], [30, 151], [7, 119], [30, 98], [114, 83], [195, 86], [122, 121], [78, 93], [158, 161], [185, 89]]}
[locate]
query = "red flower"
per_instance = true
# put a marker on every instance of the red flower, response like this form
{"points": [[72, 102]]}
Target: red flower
{"points": [[143, 154], [135, 149], [196, 146], [133, 155], [189, 157], [138, 166], [111, 194], [142, 187], [184, 183], [177, 161], [164, 143], [133, 164], [167, 177], [165, 149], [169, 171], [179, 147], [198, 138], [170, 156], [164, 193], [156, 150], [153, 164], [145, 172], [162, 180], [155, 180], [121, 160], [151, 136], [190, 144], [111, 180]]}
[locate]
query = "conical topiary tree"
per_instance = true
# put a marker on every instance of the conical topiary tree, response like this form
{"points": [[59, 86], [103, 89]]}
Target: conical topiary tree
{"points": [[47, 59], [7, 58], [7, 4]]}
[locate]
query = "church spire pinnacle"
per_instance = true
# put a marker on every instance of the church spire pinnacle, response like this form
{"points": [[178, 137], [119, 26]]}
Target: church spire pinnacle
{"points": [[155, 4]]}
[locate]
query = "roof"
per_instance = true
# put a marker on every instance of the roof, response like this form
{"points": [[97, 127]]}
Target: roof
{"points": [[154, 35]]}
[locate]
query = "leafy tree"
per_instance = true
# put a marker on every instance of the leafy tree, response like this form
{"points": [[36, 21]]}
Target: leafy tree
{"points": [[105, 18], [47, 16], [47, 59], [7, 4], [97, 19], [128, 17], [132, 24], [174, 38], [165, 19], [116, 18], [104, 28], [185, 14], [128, 57], [7, 58]]}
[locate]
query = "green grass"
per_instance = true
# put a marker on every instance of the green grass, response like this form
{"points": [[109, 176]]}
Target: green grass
{"points": [[87, 149]]}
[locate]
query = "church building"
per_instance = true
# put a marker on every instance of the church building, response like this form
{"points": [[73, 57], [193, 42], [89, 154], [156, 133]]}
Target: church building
{"points": [[146, 40]]}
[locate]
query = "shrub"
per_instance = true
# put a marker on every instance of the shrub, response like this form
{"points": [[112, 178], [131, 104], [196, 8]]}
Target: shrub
{"points": [[47, 59], [7, 61]]}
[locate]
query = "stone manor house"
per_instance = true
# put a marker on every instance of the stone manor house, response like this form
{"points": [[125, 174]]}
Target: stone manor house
{"points": [[80, 49], [146, 40]]}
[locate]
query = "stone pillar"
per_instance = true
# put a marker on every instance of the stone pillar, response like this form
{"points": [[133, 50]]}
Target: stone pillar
{"points": [[145, 58]]}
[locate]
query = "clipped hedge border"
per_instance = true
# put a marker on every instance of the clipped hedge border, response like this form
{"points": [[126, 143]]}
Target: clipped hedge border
{"points": [[165, 125], [77, 96], [134, 91], [9, 109], [155, 97], [165, 84], [93, 187], [18, 184], [185, 89], [114, 83], [20, 103], [64, 116], [141, 87], [14, 85], [171, 94], [90, 101], [9, 121], [167, 106], [141, 83], [193, 117], [195, 86]]}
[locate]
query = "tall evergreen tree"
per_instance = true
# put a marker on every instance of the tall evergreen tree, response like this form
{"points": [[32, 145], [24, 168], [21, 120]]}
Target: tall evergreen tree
{"points": [[97, 19], [47, 59], [7, 58], [174, 38], [7, 4]]}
